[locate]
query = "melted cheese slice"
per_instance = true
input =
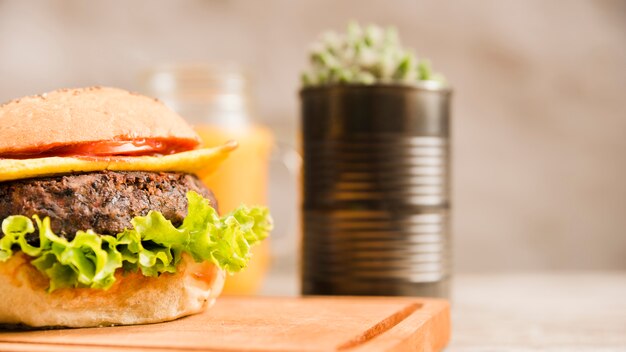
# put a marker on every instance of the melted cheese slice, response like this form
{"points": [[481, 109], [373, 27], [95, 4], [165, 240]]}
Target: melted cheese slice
{"points": [[200, 161]]}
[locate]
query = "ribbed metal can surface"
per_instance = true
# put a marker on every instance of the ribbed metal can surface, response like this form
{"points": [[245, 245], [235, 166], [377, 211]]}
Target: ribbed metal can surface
{"points": [[376, 195]]}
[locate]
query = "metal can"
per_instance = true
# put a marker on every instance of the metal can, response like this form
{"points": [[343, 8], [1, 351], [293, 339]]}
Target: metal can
{"points": [[376, 190]]}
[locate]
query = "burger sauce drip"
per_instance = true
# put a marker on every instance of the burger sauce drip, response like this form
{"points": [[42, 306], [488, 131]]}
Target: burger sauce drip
{"points": [[135, 147]]}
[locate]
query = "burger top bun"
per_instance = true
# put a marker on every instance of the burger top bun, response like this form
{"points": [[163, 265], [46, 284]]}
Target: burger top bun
{"points": [[74, 116]]}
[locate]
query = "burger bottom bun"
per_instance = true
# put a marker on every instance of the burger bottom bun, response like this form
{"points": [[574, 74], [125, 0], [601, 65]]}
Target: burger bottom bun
{"points": [[133, 298]]}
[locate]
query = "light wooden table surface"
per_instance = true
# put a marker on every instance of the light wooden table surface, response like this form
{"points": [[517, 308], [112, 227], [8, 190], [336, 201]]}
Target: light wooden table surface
{"points": [[529, 312], [554, 312]]}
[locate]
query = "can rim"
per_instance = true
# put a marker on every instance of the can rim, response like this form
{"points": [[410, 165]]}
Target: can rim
{"points": [[431, 86]]}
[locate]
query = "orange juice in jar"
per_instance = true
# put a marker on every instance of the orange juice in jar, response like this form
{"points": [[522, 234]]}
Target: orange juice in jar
{"points": [[215, 99], [242, 178]]}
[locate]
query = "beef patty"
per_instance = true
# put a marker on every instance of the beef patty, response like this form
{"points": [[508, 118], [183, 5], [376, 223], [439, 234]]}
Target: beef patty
{"points": [[104, 202]]}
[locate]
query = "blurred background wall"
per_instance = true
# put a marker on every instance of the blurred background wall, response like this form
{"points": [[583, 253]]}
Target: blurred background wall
{"points": [[539, 102]]}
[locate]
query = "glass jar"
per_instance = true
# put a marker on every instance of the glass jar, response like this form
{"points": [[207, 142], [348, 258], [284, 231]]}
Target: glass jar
{"points": [[216, 100]]}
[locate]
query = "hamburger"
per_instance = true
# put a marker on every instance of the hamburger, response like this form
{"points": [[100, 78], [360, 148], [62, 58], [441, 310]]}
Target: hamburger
{"points": [[104, 219]]}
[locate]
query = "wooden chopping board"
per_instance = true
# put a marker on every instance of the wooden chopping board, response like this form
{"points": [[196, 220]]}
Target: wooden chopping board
{"points": [[266, 324]]}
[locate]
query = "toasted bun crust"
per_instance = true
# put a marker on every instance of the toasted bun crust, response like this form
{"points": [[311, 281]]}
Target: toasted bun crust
{"points": [[73, 116], [133, 299]]}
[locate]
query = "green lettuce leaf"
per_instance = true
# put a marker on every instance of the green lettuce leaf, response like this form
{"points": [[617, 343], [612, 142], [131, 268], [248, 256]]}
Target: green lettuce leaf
{"points": [[153, 246]]}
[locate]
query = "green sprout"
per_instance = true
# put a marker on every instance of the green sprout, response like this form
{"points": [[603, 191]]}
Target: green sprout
{"points": [[365, 55]]}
